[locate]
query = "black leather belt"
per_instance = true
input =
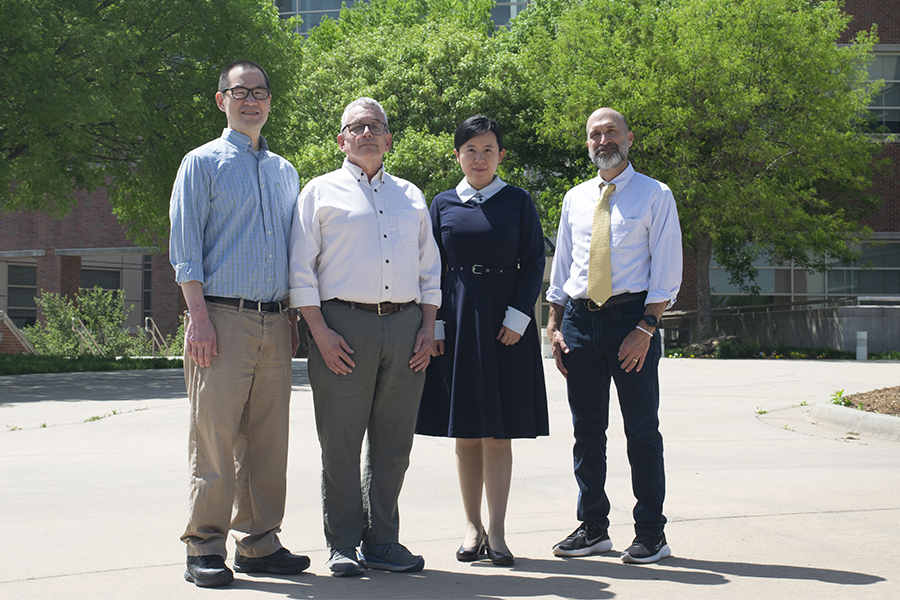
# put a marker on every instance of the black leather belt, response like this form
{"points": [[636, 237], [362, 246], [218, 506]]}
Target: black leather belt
{"points": [[483, 270], [619, 299], [382, 308], [250, 304]]}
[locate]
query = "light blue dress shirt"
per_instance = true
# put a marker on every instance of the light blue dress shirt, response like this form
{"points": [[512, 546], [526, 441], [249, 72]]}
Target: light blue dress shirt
{"points": [[230, 212]]}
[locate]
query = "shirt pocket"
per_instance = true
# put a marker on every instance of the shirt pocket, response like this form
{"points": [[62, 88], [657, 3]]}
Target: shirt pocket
{"points": [[628, 234], [408, 222]]}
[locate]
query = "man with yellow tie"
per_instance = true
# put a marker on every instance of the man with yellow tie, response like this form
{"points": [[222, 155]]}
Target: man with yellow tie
{"points": [[617, 267]]}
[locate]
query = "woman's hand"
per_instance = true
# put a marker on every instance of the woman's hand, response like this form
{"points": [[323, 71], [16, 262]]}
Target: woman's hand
{"points": [[437, 347], [508, 337]]}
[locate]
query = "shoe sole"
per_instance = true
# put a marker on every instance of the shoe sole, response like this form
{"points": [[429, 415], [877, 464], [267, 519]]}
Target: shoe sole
{"points": [[269, 569], [601, 546], [643, 560], [206, 583], [349, 571], [392, 567]]}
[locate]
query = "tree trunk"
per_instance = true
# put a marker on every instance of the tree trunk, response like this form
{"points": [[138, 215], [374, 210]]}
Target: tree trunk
{"points": [[703, 254]]}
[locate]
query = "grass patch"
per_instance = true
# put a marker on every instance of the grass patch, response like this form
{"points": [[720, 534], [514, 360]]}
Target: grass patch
{"points": [[750, 349], [22, 364]]}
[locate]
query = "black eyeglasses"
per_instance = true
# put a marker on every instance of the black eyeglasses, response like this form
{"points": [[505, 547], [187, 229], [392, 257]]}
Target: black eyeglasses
{"points": [[357, 129], [241, 93]]}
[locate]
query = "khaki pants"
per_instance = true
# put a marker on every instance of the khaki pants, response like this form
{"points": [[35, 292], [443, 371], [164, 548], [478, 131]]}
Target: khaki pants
{"points": [[240, 407], [378, 399]]}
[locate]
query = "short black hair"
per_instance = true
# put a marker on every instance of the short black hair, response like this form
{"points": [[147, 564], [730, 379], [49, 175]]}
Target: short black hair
{"points": [[475, 126], [224, 76]]}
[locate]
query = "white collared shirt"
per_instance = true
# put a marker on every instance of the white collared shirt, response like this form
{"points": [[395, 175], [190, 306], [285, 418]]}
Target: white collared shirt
{"points": [[362, 241], [514, 320], [645, 240]]}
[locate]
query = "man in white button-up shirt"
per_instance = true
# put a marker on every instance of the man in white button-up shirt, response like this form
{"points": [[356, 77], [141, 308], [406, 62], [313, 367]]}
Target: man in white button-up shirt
{"points": [[617, 340], [365, 272]]}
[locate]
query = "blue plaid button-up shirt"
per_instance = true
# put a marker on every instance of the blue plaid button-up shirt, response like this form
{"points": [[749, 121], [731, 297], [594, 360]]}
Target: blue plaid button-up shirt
{"points": [[230, 214]]}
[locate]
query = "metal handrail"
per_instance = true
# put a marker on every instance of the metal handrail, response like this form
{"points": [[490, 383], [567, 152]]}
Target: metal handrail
{"points": [[156, 336], [85, 336]]}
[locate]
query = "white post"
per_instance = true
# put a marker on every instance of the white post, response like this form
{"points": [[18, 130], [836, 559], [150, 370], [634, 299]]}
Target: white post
{"points": [[546, 348], [662, 342], [862, 339]]}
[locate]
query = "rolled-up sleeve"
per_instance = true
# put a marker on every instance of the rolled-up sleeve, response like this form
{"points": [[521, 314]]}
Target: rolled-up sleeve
{"points": [[665, 251], [562, 258], [429, 263], [306, 243], [188, 213]]}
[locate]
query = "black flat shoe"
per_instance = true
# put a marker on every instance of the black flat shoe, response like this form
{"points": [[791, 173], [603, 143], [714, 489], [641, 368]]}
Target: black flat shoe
{"points": [[499, 559], [474, 553]]}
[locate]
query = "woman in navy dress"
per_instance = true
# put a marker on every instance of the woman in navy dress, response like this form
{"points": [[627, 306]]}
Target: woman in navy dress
{"points": [[485, 384]]}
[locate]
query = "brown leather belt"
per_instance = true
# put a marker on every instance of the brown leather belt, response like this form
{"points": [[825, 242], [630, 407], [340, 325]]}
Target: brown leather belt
{"points": [[249, 304], [382, 308], [619, 299]]}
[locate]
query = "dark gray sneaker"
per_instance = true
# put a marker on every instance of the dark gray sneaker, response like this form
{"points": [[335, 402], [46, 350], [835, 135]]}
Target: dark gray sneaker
{"points": [[390, 557], [647, 549], [343, 562], [588, 539]]}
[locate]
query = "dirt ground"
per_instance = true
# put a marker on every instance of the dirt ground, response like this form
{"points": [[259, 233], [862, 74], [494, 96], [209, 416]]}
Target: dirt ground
{"points": [[885, 401]]}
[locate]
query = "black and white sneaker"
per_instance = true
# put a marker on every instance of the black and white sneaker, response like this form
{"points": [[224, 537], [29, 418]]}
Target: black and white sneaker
{"points": [[589, 538], [647, 549]]}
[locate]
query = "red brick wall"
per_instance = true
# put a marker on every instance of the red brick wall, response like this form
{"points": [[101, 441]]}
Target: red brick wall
{"points": [[887, 218], [9, 344], [886, 13]]}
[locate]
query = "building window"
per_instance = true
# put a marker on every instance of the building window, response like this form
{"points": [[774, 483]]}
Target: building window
{"points": [[504, 12], [876, 273], [311, 11], [22, 288], [886, 105], [102, 278]]}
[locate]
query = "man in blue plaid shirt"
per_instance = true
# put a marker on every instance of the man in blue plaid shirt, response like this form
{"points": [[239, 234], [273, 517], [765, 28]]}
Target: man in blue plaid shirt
{"points": [[230, 213]]}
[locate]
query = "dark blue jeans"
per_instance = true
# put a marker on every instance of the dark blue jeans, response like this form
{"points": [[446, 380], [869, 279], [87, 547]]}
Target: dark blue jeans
{"points": [[593, 338]]}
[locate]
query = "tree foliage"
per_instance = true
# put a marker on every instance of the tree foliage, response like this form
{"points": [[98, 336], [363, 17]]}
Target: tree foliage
{"points": [[114, 92], [749, 110]]}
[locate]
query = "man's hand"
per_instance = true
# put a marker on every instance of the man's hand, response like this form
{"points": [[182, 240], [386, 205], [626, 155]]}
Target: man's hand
{"points": [[633, 350], [422, 349], [295, 335], [200, 342], [508, 337], [557, 341], [332, 346]]}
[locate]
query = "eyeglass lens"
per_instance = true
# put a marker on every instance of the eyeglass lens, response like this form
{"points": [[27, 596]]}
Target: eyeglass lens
{"points": [[376, 127], [240, 93]]}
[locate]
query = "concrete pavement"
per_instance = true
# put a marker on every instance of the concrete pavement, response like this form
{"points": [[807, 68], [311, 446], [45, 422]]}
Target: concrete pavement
{"points": [[761, 503]]}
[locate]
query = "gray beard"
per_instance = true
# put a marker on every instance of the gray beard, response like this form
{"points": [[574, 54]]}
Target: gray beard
{"points": [[612, 161]]}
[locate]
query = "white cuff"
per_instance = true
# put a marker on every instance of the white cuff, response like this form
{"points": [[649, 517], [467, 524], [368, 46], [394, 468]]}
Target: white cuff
{"points": [[438, 330], [515, 320]]}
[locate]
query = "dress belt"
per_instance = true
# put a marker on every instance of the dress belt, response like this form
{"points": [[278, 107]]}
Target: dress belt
{"points": [[251, 304], [483, 270], [618, 299], [382, 308]]}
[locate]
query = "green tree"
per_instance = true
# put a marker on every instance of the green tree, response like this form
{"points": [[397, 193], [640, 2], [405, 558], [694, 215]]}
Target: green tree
{"points": [[114, 92], [749, 110], [431, 64]]}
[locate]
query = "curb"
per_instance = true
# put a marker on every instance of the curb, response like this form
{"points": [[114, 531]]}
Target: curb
{"points": [[852, 420]]}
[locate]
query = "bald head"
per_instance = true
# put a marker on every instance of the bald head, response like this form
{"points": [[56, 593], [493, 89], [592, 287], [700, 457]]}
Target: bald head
{"points": [[602, 114]]}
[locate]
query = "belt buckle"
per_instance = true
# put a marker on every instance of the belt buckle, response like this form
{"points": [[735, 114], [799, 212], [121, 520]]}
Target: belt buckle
{"points": [[381, 314], [477, 267], [592, 304]]}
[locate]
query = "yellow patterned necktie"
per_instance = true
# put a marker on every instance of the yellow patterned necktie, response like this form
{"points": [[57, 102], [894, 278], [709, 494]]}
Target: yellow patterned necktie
{"points": [[600, 266]]}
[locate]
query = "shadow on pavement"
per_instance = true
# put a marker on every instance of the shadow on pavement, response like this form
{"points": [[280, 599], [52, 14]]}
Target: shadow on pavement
{"points": [[150, 384]]}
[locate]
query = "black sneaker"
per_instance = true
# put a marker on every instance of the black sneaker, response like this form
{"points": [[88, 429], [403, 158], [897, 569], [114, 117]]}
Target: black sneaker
{"points": [[589, 538], [280, 562], [208, 571], [647, 549]]}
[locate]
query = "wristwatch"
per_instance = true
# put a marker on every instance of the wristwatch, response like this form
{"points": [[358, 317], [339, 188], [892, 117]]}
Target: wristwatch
{"points": [[650, 320]]}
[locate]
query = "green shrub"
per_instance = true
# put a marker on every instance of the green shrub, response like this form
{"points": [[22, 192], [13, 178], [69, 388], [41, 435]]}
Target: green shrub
{"points": [[21, 364], [103, 313], [743, 349]]}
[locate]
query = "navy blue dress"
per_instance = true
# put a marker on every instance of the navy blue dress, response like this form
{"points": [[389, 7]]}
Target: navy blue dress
{"points": [[480, 388]]}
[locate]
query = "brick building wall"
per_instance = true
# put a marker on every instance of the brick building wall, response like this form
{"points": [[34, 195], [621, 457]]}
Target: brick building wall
{"points": [[886, 13]]}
